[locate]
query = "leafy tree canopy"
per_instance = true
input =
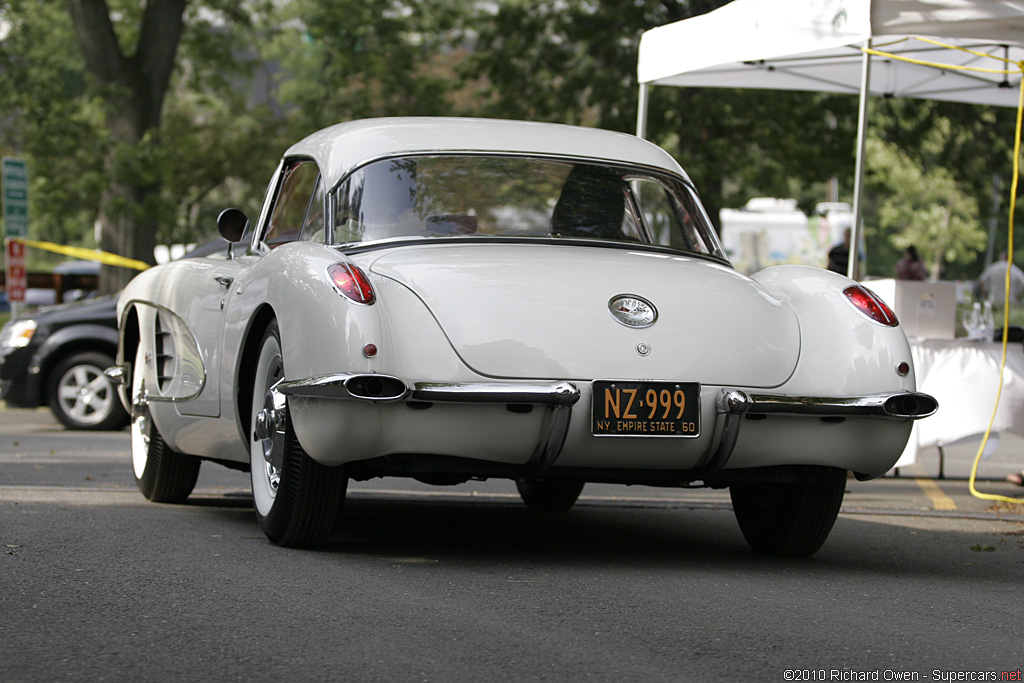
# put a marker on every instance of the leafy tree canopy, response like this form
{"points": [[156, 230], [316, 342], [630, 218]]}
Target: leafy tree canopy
{"points": [[251, 76]]}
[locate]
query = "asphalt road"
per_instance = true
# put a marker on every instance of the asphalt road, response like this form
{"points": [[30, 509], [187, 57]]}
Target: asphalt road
{"points": [[464, 584]]}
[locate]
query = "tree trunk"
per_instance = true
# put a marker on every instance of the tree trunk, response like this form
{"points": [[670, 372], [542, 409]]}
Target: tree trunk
{"points": [[133, 87]]}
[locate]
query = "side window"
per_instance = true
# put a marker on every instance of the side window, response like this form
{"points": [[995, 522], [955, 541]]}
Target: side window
{"points": [[671, 224], [292, 203], [313, 226]]}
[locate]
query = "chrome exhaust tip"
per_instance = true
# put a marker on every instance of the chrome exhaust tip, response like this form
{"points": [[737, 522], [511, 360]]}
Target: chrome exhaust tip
{"points": [[910, 405], [376, 387]]}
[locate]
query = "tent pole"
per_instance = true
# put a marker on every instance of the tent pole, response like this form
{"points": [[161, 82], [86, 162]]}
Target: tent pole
{"points": [[858, 178], [641, 115]]}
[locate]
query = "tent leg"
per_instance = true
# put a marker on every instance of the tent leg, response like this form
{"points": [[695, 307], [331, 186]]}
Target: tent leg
{"points": [[858, 178], [641, 115]]}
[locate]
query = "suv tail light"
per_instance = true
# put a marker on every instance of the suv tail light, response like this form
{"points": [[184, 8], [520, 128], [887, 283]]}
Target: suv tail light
{"points": [[868, 303], [352, 282]]}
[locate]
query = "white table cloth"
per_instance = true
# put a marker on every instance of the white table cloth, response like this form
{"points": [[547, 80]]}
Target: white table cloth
{"points": [[964, 377]]}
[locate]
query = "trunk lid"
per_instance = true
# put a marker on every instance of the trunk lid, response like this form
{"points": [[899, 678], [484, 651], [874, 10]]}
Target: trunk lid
{"points": [[542, 312]]}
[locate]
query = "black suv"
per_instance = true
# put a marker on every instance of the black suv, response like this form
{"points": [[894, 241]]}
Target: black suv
{"points": [[56, 356]]}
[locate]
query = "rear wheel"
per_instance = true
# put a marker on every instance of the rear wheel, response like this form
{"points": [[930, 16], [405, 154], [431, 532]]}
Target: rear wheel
{"points": [[549, 495], [81, 396], [788, 519], [162, 474], [296, 498]]}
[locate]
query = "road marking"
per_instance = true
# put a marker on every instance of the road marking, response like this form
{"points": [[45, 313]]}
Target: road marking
{"points": [[940, 501]]}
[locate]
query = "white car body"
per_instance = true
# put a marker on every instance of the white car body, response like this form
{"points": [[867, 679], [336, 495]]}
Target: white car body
{"points": [[478, 353]]}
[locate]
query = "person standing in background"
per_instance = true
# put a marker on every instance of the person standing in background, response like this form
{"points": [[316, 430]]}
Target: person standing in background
{"points": [[839, 255], [911, 267], [991, 285]]}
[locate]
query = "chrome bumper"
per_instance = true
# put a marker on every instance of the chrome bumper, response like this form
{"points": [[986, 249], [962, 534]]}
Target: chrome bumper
{"points": [[732, 405], [559, 397]]}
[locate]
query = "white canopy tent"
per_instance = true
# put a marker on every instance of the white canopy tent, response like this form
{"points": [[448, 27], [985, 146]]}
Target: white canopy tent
{"points": [[816, 45]]}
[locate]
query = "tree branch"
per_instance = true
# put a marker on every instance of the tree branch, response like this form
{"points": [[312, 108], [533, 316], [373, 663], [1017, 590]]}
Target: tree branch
{"points": [[98, 42], [162, 25]]}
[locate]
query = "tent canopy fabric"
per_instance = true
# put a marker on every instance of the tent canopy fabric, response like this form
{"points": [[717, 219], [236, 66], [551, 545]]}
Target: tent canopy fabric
{"points": [[815, 45]]}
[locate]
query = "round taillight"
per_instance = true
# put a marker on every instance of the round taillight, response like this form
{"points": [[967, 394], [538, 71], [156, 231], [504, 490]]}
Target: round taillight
{"points": [[352, 282], [903, 369], [370, 350], [868, 303]]}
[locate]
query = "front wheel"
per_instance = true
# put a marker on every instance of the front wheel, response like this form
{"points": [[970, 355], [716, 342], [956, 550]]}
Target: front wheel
{"points": [[296, 498], [791, 519], [549, 495], [162, 474]]}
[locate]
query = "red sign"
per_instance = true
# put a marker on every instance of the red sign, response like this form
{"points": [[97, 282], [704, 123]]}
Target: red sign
{"points": [[17, 278]]}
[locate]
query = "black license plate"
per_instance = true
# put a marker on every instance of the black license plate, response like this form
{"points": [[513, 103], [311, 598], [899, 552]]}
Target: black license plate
{"points": [[637, 408]]}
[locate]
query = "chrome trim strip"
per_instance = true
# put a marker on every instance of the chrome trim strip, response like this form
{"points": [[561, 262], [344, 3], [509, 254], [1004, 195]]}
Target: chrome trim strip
{"points": [[201, 367], [902, 405], [338, 387], [555, 393]]}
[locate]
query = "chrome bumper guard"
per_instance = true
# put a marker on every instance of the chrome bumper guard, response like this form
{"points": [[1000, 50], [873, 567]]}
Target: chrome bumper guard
{"points": [[117, 375]]}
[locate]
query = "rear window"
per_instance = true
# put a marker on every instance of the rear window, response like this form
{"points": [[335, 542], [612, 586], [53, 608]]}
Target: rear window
{"points": [[457, 195]]}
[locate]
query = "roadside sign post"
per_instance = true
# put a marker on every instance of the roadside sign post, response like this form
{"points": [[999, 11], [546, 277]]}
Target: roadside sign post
{"points": [[17, 278], [15, 213]]}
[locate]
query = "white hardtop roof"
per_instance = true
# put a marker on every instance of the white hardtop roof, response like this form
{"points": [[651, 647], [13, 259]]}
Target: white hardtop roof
{"points": [[340, 148]]}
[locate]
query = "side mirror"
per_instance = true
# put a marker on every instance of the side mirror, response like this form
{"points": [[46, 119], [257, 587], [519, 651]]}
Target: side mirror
{"points": [[232, 223]]}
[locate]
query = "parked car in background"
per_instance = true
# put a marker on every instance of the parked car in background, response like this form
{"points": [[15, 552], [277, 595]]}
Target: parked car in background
{"points": [[56, 356], [455, 299]]}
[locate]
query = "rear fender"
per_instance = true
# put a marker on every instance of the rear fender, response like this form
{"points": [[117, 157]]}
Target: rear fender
{"points": [[842, 351]]}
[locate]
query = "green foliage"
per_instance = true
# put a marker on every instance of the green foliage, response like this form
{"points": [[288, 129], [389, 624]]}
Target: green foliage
{"points": [[354, 59], [575, 62], [200, 160], [924, 208], [254, 75], [50, 120], [929, 182]]}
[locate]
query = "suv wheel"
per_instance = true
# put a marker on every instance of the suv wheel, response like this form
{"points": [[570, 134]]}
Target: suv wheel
{"points": [[81, 397]]}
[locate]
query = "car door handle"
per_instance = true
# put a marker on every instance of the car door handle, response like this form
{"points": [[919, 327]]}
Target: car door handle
{"points": [[224, 280]]}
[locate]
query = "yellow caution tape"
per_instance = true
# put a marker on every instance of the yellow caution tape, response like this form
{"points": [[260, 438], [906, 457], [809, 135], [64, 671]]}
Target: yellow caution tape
{"points": [[1014, 68], [83, 253]]}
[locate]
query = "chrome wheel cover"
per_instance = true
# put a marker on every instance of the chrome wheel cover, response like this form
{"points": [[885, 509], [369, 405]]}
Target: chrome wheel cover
{"points": [[266, 447], [140, 419]]}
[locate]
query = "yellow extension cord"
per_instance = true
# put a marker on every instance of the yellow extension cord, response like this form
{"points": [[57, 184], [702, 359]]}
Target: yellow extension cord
{"points": [[1019, 68]]}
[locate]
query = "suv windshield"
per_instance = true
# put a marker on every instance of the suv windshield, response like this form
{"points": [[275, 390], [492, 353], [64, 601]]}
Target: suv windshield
{"points": [[453, 195]]}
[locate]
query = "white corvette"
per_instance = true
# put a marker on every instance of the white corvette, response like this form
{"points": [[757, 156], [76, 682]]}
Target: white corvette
{"points": [[455, 299]]}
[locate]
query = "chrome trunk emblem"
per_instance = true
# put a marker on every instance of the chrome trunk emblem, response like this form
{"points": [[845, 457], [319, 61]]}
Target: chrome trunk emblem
{"points": [[633, 311]]}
